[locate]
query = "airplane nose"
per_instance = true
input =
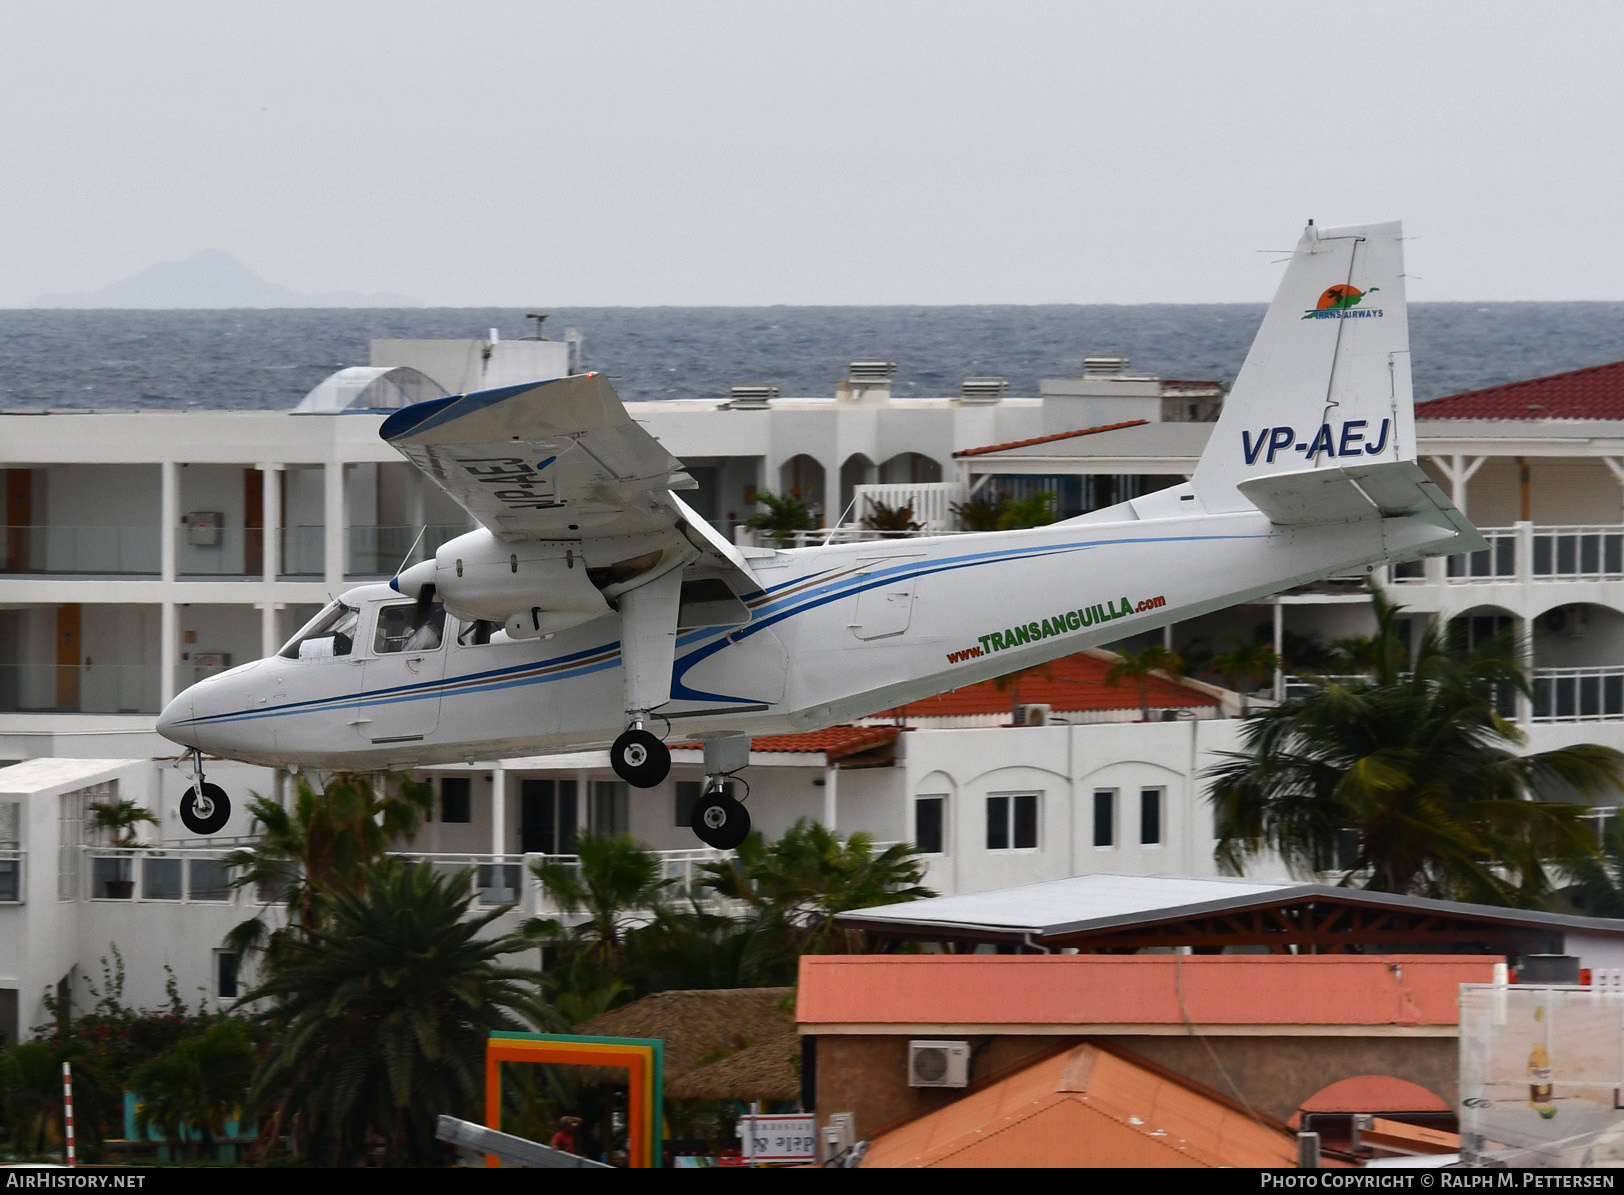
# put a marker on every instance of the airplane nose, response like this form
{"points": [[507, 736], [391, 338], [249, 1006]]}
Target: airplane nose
{"points": [[178, 711]]}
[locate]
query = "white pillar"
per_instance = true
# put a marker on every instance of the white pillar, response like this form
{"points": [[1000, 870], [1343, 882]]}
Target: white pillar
{"points": [[168, 647], [267, 627], [169, 515], [498, 810], [831, 796], [333, 512], [271, 521], [1279, 646]]}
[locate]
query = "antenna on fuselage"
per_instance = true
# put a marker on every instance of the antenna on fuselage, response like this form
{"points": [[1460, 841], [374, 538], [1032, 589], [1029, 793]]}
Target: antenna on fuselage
{"points": [[406, 559]]}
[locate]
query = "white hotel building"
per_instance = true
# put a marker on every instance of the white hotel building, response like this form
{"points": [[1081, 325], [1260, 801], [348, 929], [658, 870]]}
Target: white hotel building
{"points": [[142, 550]]}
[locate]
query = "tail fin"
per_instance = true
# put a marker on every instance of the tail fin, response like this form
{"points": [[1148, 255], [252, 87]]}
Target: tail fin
{"points": [[1326, 384]]}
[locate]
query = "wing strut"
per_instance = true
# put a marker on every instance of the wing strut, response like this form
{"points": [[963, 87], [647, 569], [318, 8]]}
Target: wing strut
{"points": [[648, 650]]}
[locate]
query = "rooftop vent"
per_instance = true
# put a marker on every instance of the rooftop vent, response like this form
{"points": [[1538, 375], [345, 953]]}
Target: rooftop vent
{"points": [[1104, 364], [871, 371], [983, 390], [751, 397]]}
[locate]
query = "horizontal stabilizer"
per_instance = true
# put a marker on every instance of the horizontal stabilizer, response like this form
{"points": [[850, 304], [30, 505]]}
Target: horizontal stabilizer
{"points": [[1386, 489]]}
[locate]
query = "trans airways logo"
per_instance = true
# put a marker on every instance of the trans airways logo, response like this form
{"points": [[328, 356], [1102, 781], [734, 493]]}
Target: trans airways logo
{"points": [[1345, 439], [1342, 302]]}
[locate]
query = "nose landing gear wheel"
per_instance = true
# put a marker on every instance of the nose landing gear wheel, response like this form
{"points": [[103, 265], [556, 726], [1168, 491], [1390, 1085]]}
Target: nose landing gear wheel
{"points": [[205, 813], [640, 759], [720, 821]]}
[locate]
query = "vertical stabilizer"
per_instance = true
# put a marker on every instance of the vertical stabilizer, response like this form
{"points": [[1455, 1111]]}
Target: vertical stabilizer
{"points": [[1326, 384]]}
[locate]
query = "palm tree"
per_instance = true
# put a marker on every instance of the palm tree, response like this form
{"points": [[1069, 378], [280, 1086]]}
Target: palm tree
{"points": [[1410, 781], [785, 515], [328, 843], [1139, 667], [794, 887], [1246, 660], [199, 1083], [615, 882], [379, 1014]]}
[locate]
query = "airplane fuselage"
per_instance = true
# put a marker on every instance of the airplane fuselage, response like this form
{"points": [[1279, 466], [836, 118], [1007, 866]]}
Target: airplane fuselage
{"points": [[835, 633]]}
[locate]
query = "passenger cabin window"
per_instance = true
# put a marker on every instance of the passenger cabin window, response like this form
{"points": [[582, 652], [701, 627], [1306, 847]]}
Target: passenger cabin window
{"points": [[398, 630], [330, 633]]}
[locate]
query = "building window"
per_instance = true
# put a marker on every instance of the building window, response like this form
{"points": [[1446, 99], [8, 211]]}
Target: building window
{"points": [[607, 814], [929, 813], [1012, 822], [1150, 816], [457, 799], [1105, 817], [547, 817], [225, 973]]}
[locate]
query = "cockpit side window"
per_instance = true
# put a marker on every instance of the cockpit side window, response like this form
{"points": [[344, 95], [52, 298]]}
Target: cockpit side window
{"points": [[398, 629], [476, 633], [330, 633]]}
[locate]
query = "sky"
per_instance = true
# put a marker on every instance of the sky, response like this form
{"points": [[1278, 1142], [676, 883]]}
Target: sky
{"points": [[829, 152]]}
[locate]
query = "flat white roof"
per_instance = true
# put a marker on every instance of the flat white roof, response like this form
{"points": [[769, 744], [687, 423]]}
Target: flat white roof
{"points": [[40, 775]]}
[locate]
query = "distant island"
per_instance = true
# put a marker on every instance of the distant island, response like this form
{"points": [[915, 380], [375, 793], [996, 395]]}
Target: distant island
{"points": [[212, 278]]}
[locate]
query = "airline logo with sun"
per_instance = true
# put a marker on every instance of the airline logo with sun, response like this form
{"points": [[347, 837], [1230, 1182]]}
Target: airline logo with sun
{"points": [[1342, 302]]}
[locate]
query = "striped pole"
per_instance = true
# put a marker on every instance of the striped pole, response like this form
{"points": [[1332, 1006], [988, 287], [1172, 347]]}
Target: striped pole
{"points": [[67, 1110]]}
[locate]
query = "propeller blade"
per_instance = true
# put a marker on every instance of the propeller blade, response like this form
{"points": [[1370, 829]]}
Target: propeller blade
{"points": [[424, 610]]}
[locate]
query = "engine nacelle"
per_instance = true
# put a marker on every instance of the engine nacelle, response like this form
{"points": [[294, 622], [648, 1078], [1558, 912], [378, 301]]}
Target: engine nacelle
{"points": [[479, 576]]}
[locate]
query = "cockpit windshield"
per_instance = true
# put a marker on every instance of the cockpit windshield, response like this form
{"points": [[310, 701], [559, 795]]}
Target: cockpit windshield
{"points": [[330, 633]]}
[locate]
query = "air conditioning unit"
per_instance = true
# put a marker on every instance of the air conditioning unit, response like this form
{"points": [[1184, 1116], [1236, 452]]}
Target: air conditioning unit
{"points": [[1034, 715], [938, 1063], [1572, 621]]}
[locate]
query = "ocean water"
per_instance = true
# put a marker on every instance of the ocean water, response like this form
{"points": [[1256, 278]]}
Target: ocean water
{"points": [[269, 359]]}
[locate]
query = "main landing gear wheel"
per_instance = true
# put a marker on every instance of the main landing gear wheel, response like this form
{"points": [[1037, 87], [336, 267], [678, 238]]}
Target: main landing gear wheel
{"points": [[640, 759], [206, 813], [720, 821]]}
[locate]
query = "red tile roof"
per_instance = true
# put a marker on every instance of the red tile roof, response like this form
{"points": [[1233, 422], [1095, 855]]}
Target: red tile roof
{"points": [[1074, 683], [1593, 393], [1087, 431], [835, 742], [1091, 989]]}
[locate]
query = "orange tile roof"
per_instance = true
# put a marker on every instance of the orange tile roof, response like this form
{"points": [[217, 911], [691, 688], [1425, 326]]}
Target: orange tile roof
{"points": [[1085, 1107], [1593, 393], [835, 742], [1049, 439], [1085, 989], [1075, 683], [1374, 1093]]}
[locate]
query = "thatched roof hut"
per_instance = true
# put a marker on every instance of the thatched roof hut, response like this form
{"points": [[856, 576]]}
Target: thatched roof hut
{"points": [[732, 1043]]}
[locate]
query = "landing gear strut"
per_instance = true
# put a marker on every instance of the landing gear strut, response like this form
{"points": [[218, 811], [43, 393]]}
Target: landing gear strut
{"points": [[639, 758], [204, 808]]}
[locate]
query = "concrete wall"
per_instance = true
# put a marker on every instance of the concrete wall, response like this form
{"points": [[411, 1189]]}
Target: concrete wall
{"points": [[867, 1075]]}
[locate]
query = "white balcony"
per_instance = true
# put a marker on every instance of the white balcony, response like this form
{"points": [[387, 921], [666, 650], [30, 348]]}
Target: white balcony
{"points": [[1527, 552]]}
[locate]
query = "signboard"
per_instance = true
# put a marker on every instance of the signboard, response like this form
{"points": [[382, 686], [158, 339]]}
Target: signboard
{"points": [[779, 1138], [1541, 1075]]}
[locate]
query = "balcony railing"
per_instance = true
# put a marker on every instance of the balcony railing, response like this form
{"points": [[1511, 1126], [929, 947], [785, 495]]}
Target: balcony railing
{"points": [[1528, 552], [175, 876], [1578, 694], [74, 549], [79, 688]]}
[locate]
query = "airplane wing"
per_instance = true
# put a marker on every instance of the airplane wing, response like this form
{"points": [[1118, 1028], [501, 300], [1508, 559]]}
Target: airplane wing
{"points": [[562, 460]]}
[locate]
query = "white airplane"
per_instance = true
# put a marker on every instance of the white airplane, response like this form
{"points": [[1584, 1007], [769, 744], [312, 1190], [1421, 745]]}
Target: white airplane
{"points": [[593, 606]]}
